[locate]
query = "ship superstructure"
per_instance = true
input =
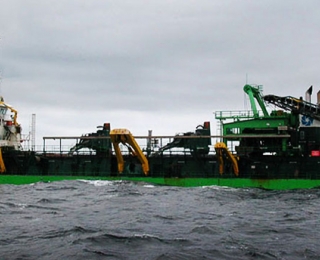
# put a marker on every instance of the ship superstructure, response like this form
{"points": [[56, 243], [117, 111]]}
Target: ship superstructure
{"points": [[10, 130]]}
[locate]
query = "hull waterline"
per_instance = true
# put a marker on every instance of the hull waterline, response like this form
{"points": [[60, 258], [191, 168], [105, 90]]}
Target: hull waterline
{"points": [[272, 184]]}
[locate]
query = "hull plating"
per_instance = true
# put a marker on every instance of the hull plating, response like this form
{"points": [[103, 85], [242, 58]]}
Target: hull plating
{"points": [[272, 184]]}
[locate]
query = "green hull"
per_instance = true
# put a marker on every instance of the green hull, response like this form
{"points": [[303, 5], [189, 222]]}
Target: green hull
{"points": [[272, 184]]}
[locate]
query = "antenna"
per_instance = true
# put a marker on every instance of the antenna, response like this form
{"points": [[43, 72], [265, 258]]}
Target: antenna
{"points": [[33, 132]]}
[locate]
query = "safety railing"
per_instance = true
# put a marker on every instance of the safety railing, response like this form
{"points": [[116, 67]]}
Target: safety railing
{"points": [[223, 115]]}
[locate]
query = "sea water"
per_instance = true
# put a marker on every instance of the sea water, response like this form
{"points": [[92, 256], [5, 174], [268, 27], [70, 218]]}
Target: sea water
{"points": [[125, 220]]}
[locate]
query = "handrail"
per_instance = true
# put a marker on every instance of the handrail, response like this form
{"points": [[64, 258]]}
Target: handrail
{"points": [[174, 136]]}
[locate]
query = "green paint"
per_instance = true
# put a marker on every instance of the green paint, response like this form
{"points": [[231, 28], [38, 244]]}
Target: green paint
{"points": [[273, 184]]}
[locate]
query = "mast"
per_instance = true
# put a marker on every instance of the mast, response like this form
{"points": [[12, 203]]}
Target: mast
{"points": [[33, 132]]}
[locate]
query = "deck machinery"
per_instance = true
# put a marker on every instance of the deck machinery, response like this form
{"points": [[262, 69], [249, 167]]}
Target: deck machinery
{"points": [[281, 144], [116, 152]]}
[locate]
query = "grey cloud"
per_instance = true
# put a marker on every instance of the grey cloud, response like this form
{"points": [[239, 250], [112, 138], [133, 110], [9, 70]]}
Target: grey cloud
{"points": [[144, 58]]}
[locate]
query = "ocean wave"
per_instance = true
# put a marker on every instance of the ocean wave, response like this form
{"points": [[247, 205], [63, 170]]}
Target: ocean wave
{"points": [[99, 183], [123, 220]]}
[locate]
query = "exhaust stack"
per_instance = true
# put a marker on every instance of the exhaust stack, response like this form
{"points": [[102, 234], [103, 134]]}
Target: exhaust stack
{"points": [[308, 94]]}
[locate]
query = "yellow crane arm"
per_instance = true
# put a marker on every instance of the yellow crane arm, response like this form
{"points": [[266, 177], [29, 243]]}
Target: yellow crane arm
{"points": [[15, 112], [220, 147], [2, 166], [125, 137]]}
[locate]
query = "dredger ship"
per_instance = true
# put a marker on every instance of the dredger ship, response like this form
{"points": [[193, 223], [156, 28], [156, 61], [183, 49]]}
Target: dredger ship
{"points": [[255, 148]]}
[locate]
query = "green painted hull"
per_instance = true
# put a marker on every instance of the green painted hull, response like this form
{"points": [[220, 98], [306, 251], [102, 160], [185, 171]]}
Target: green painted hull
{"points": [[272, 184]]}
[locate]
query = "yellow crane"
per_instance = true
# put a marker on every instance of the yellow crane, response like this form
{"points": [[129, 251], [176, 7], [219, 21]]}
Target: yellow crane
{"points": [[15, 112], [125, 137], [222, 148]]}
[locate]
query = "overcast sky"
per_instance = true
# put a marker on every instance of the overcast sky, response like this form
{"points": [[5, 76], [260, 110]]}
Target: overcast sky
{"points": [[162, 65]]}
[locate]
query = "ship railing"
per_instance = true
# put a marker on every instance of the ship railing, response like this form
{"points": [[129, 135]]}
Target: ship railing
{"points": [[63, 150], [237, 114], [55, 150], [148, 144]]}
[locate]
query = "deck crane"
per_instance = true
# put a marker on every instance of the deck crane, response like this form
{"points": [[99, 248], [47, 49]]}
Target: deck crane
{"points": [[254, 93], [257, 133], [6, 106], [125, 137]]}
